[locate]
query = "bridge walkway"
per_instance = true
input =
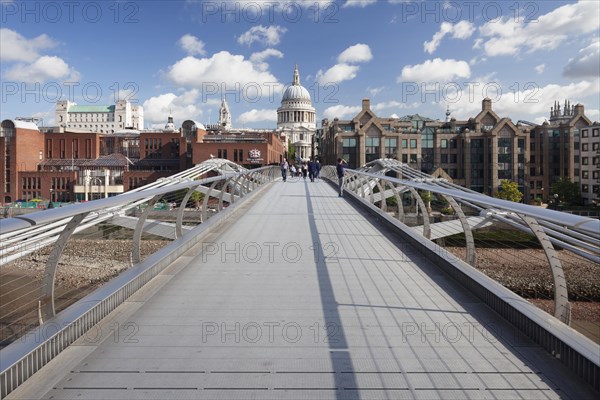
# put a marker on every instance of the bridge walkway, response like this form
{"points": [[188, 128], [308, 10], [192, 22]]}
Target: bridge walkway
{"points": [[254, 311]]}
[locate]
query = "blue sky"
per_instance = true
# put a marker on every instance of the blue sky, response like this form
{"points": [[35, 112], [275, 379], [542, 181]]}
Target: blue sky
{"points": [[406, 56]]}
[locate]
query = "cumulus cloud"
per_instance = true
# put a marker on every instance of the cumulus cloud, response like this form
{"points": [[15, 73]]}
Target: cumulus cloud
{"points": [[529, 103], [258, 59], [436, 70], [269, 36], [182, 107], [192, 45], [341, 111], [343, 71], [222, 69], [355, 54], [461, 30], [586, 64], [15, 47], [254, 115], [510, 36], [41, 70], [336, 74]]}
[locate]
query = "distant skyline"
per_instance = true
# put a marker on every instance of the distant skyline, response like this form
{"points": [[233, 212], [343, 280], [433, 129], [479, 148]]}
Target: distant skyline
{"points": [[406, 56]]}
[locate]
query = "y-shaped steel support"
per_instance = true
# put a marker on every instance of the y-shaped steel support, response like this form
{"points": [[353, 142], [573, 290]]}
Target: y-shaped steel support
{"points": [[205, 202], [180, 211], [47, 290], [562, 307], [426, 228], [139, 229], [471, 254]]}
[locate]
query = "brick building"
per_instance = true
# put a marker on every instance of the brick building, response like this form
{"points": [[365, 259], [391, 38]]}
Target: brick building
{"points": [[476, 153], [248, 148]]}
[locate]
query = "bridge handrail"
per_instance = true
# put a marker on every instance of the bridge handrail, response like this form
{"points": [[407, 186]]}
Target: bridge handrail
{"points": [[20, 360], [586, 225]]}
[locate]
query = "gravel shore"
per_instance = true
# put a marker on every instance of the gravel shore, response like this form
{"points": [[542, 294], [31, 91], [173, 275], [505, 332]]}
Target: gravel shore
{"points": [[89, 263]]}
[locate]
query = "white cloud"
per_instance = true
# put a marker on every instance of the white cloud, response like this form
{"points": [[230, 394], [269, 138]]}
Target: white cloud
{"points": [[222, 70], [192, 45], [15, 47], [528, 103], [386, 105], [375, 91], [255, 115], [337, 74], [341, 111], [462, 30], [436, 70], [540, 68], [182, 107], [258, 59], [270, 36], [359, 3], [343, 71], [394, 115], [43, 69], [509, 36], [586, 64], [355, 54]]}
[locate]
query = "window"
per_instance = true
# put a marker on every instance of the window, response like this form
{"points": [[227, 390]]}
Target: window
{"points": [[371, 148], [404, 143], [452, 143], [595, 146], [585, 188], [596, 161], [75, 148], [453, 158], [444, 143], [584, 160], [391, 147], [585, 174], [405, 158], [413, 143], [62, 148], [349, 151], [585, 147], [444, 158], [584, 133], [596, 189], [595, 133], [413, 158], [596, 174]]}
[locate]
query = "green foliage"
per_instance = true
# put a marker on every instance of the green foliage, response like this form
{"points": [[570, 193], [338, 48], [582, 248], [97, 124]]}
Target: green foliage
{"points": [[567, 191], [426, 196], [291, 152], [391, 201], [509, 191], [197, 198], [447, 210]]}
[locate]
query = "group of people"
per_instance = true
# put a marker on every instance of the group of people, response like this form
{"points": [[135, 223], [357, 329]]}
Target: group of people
{"points": [[313, 169]]}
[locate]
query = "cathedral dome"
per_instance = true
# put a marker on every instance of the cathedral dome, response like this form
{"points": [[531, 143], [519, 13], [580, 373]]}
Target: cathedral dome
{"points": [[295, 92]]}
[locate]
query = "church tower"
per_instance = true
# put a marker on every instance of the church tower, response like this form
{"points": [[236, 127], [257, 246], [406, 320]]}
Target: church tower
{"points": [[224, 116]]}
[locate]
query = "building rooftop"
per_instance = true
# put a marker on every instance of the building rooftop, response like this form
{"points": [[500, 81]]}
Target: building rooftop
{"points": [[92, 109]]}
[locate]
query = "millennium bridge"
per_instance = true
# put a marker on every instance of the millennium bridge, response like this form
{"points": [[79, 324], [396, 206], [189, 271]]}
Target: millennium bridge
{"points": [[267, 289]]}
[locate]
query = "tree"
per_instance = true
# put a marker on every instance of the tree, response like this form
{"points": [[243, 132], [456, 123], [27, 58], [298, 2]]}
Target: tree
{"points": [[567, 191], [426, 197], [197, 197], [509, 191], [291, 153]]}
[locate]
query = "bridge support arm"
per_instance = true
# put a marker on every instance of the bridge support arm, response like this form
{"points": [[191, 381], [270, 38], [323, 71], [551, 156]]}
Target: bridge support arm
{"points": [[562, 307], [48, 309], [470, 242]]}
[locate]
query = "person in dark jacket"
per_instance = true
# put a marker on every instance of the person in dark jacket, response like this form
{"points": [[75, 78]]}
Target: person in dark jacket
{"points": [[318, 166], [312, 170], [340, 174]]}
